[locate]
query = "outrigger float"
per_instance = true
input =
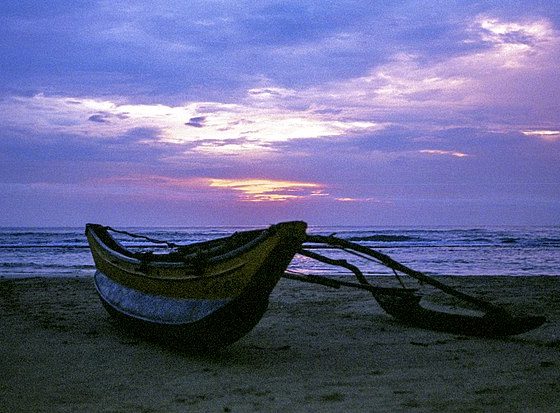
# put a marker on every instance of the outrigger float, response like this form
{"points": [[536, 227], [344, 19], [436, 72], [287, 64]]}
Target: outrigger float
{"points": [[207, 295]]}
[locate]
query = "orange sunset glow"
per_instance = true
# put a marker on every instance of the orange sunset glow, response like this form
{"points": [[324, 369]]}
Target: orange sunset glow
{"points": [[265, 190]]}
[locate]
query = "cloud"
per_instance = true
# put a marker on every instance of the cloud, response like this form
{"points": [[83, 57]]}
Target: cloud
{"points": [[100, 48], [242, 189], [197, 121], [258, 126], [442, 152], [269, 190], [253, 190], [99, 118], [378, 103], [473, 78], [409, 91], [546, 135], [350, 199]]}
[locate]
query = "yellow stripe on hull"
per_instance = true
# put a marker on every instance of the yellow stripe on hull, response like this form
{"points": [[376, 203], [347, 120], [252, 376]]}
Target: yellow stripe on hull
{"points": [[222, 279]]}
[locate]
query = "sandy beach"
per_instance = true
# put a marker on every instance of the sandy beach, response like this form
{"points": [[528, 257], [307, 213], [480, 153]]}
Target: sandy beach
{"points": [[316, 349]]}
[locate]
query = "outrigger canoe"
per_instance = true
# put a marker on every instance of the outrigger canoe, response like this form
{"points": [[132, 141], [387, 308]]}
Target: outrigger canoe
{"points": [[207, 295], [202, 296]]}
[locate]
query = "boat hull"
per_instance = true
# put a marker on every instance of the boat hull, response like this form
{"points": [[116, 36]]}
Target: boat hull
{"points": [[218, 328], [175, 310]]}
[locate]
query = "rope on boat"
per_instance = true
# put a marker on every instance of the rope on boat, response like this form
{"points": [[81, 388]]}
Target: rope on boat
{"points": [[155, 241]]}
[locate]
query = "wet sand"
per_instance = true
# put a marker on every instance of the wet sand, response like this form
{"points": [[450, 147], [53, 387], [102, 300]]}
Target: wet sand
{"points": [[316, 349]]}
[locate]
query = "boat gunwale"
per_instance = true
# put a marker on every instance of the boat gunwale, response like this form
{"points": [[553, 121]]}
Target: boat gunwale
{"points": [[265, 234]]}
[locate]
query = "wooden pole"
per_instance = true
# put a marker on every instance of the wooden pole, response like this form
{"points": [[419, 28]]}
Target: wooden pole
{"points": [[389, 262]]}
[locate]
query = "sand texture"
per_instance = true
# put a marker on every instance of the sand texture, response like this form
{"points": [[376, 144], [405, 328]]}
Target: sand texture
{"points": [[316, 349]]}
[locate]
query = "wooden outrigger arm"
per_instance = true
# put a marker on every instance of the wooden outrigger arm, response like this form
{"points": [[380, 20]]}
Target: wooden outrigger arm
{"points": [[397, 266], [404, 303], [330, 282]]}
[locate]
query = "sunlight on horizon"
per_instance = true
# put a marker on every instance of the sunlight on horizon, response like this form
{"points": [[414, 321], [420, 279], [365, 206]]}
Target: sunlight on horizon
{"points": [[266, 190]]}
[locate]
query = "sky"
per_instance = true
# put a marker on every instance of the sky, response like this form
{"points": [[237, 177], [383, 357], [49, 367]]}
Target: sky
{"points": [[386, 113]]}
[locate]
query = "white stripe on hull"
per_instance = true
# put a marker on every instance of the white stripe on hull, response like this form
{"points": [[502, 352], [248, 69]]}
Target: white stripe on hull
{"points": [[154, 308]]}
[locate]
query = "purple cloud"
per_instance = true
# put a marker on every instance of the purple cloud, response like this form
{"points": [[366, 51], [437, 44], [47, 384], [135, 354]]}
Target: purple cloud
{"points": [[197, 121], [403, 113]]}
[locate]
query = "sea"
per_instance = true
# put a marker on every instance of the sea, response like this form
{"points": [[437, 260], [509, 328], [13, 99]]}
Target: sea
{"points": [[472, 251]]}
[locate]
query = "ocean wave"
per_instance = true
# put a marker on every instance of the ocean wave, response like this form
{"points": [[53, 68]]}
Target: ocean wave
{"points": [[479, 239], [43, 246], [46, 266], [385, 238], [445, 250], [509, 240], [547, 242]]}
